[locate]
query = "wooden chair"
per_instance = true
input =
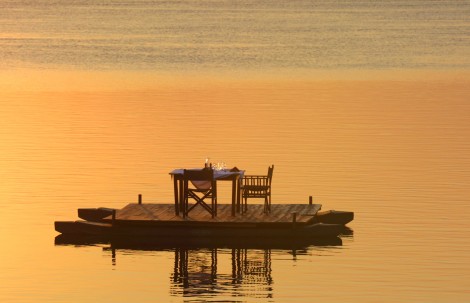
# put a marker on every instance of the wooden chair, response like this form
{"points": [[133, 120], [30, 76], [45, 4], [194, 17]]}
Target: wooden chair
{"points": [[204, 187], [257, 186]]}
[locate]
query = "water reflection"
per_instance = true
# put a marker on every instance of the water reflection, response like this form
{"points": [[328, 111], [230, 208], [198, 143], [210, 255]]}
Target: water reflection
{"points": [[196, 272], [208, 268]]}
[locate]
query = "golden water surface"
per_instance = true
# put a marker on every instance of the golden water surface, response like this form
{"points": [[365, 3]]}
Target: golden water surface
{"points": [[392, 146]]}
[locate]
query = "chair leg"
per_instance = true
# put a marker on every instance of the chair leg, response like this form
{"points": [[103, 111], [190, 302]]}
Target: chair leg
{"points": [[269, 202], [245, 205], [214, 207], [267, 206]]}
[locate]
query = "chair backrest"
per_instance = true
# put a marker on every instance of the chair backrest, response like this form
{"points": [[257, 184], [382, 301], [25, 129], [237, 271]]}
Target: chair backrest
{"points": [[198, 174], [201, 179], [270, 174]]}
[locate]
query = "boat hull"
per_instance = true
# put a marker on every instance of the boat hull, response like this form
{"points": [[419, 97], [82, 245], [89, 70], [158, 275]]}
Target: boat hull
{"points": [[191, 230]]}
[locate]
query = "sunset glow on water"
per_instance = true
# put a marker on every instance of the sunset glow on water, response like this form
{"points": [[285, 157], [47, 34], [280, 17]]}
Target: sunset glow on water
{"points": [[363, 106]]}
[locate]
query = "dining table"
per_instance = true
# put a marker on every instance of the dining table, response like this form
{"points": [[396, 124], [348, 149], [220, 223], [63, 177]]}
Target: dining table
{"points": [[235, 175]]}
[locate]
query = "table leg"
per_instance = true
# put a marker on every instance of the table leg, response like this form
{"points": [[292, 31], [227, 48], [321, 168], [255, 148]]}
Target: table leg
{"points": [[234, 195], [182, 198], [238, 195], [175, 188]]}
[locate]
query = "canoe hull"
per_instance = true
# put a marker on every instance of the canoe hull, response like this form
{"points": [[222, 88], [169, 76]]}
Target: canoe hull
{"points": [[83, 227], [334, 217], [94, 214]]}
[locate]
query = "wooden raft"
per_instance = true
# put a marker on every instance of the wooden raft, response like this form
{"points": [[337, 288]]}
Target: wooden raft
{"points": [[280, 213]]}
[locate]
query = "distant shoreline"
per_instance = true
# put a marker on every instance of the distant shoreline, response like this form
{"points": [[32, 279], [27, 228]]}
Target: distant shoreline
{"points": [[86, 80]]}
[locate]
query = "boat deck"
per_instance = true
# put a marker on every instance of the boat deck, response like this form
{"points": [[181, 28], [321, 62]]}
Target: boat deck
{"points": [[280, 213]]}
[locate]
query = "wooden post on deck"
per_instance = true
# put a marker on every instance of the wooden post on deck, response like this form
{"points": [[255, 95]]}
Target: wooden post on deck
{"points": [[140, 198], [310, 200]]}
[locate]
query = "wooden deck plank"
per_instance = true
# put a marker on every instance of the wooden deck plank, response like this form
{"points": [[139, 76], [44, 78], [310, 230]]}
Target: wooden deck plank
{"points": [[165, 212]]}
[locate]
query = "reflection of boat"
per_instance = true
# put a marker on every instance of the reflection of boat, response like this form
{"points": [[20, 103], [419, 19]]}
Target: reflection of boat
{"points": [[285, 221], [233, 266], [156, 243]]}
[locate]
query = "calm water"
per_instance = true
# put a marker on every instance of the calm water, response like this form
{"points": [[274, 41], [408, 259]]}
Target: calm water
{"points": [[361, 104]]}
